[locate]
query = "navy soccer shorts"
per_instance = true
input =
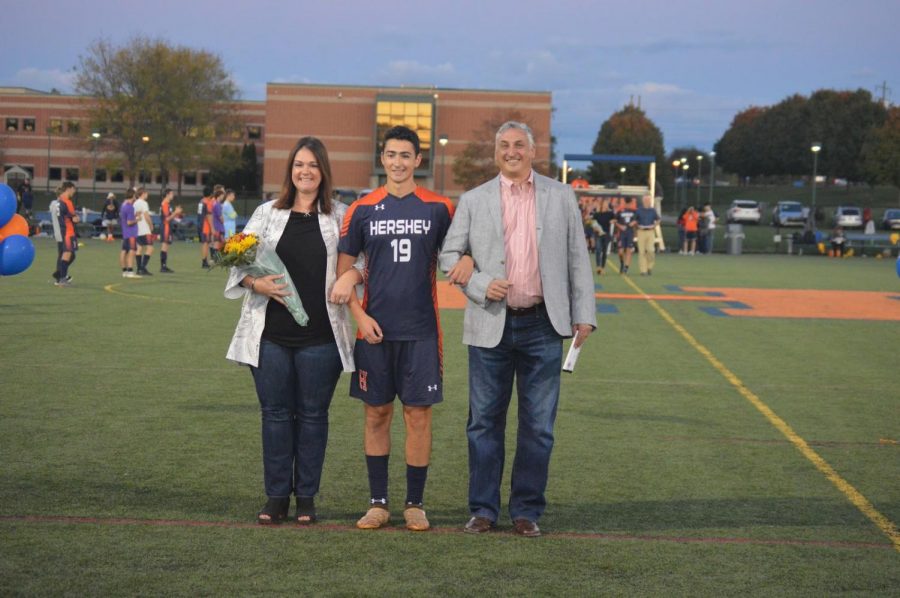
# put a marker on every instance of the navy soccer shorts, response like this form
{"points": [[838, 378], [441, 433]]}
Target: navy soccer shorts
{"points": [[626, 238], [410, 370]]}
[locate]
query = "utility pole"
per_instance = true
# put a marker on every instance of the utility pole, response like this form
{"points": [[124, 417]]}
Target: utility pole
{"points": [[884, 93]]}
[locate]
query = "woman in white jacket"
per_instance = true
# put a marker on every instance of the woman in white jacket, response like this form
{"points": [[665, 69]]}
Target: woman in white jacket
{"points": [[295, 368]]}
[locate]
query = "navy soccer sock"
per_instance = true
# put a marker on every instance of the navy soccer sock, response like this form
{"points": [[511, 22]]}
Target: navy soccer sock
{"points": [[415, 483], [163, 258], [378, 478]]}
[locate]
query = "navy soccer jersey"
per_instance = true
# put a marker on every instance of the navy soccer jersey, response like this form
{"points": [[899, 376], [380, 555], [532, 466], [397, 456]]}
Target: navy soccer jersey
{"points": [[626, 217], [401, 237]]}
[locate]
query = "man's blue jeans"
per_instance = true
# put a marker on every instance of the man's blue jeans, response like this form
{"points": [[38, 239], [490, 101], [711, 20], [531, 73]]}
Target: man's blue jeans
{"points": [[531, 352], [295, 387]]}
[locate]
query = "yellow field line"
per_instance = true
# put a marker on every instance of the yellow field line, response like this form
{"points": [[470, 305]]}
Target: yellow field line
{"points": [[853, 495], [112, 288]]}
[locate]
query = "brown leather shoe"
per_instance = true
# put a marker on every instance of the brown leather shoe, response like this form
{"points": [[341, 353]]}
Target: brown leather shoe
{"points": [[526, 528], [479, 525]]}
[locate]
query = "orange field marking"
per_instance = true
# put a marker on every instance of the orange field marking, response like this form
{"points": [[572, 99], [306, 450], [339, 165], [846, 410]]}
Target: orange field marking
{"points": [[449, 296], [791, 303], [756, 303]]}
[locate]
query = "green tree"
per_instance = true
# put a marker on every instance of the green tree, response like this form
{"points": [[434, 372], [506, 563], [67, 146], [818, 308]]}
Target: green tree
{"points": [[249, 169], [150, 100], [735, 151], [628, 132], [776, 140], [475, 165], [841, 121], [881, 151]]}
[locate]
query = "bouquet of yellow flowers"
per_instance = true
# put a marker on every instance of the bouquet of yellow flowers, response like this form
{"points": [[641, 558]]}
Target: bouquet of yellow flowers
{"points": [[240, 251]]}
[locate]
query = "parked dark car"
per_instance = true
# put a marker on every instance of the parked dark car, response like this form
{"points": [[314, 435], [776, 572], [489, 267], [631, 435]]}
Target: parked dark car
{"points": [[891, 220]]}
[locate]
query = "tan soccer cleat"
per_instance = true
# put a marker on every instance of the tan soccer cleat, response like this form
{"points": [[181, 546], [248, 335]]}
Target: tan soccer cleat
{"points": [[374, 518], [415, 519]]}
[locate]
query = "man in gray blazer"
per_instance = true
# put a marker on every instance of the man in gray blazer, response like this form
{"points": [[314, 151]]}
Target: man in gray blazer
{"points": [[531, 287]]}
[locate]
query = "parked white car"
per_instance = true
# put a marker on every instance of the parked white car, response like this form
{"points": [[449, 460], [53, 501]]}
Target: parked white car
{"points": [[848, 217], [744, 210], [789, 213]]}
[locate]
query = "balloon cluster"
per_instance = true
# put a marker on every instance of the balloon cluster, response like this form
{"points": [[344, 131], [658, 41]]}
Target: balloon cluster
{"points": [[16, 249]]}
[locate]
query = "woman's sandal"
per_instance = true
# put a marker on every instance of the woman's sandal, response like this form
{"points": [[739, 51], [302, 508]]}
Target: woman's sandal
{"points": [[275, 511], [306, 510]]}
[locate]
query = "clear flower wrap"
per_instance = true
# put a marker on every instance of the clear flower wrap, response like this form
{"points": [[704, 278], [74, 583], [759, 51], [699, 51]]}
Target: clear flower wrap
{"points": [[240, 251]]}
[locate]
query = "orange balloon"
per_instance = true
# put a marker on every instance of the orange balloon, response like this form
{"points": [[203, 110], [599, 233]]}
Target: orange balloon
{"points": [[16, 226]]}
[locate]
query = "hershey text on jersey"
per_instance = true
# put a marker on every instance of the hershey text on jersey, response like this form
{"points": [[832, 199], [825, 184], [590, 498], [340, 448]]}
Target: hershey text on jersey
{"points": [[416, 226]]}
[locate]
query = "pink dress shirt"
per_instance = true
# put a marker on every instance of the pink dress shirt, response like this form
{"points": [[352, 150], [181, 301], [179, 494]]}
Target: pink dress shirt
{"points": [[517, 201]]}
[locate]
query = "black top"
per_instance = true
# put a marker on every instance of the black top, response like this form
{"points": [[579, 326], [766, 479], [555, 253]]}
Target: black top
{"points": [[303, 253], [604, 219]]}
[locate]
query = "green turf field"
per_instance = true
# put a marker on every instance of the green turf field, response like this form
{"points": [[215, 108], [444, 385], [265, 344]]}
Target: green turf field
{"points": [[131, 457]]}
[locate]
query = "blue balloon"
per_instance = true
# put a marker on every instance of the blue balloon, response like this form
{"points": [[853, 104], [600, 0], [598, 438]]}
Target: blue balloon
{"points": [[16, 254], [7, 203]]}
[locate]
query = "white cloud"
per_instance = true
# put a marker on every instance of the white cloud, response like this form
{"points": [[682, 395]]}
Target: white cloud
{"points": [[291, 79], [45, 79], [415, 72], [652, 88]]}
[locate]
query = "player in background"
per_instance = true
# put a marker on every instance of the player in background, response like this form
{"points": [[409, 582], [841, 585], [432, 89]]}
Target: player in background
{"points": [[144, 230], [129, 236], [626, 222], [218, 220], [204, 227], [400, 228], [67, 219], [167, 215]]}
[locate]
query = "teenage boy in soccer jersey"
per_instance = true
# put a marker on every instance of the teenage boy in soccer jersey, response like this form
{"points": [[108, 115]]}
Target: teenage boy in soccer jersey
{"points": [[400, 227], [68, 218], [167, 216], [129, 236], [144, 230]]}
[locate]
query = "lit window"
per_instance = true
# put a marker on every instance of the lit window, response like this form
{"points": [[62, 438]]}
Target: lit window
{"points": [[254, 132], [12, 124], [413, 112], [28, 125]]}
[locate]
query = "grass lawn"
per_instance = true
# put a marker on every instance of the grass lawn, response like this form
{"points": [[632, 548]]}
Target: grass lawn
{"points": [[131, 451]]}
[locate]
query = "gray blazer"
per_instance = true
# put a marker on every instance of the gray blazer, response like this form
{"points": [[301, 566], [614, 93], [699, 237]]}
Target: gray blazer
{"points": [[566, 274]]}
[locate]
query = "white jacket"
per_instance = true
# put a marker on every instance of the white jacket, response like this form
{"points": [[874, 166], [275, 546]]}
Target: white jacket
{"points": [[268, 223]]}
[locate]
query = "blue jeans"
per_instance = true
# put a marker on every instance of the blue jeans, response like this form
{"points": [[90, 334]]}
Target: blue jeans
{"points": [[295, 387], [531, 352]]}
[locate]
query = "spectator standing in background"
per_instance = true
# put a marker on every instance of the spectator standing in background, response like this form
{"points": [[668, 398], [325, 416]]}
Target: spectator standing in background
{"points": [[109, 216], [229, 214]]}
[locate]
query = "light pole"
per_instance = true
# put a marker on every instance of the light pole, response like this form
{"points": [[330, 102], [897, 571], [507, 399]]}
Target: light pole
{"points": [[622, 175], [677, 198], [699, 176], [712, 175], [96, 138], [443, 140], [685, 167], [815, 148]]}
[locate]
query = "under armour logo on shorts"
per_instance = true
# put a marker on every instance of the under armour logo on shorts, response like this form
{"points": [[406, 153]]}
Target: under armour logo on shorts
{"points": [[363, 384], [432, 388]]}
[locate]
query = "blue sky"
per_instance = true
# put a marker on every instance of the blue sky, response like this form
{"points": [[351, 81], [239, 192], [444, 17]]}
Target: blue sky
{"points": [[692, 63]]}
